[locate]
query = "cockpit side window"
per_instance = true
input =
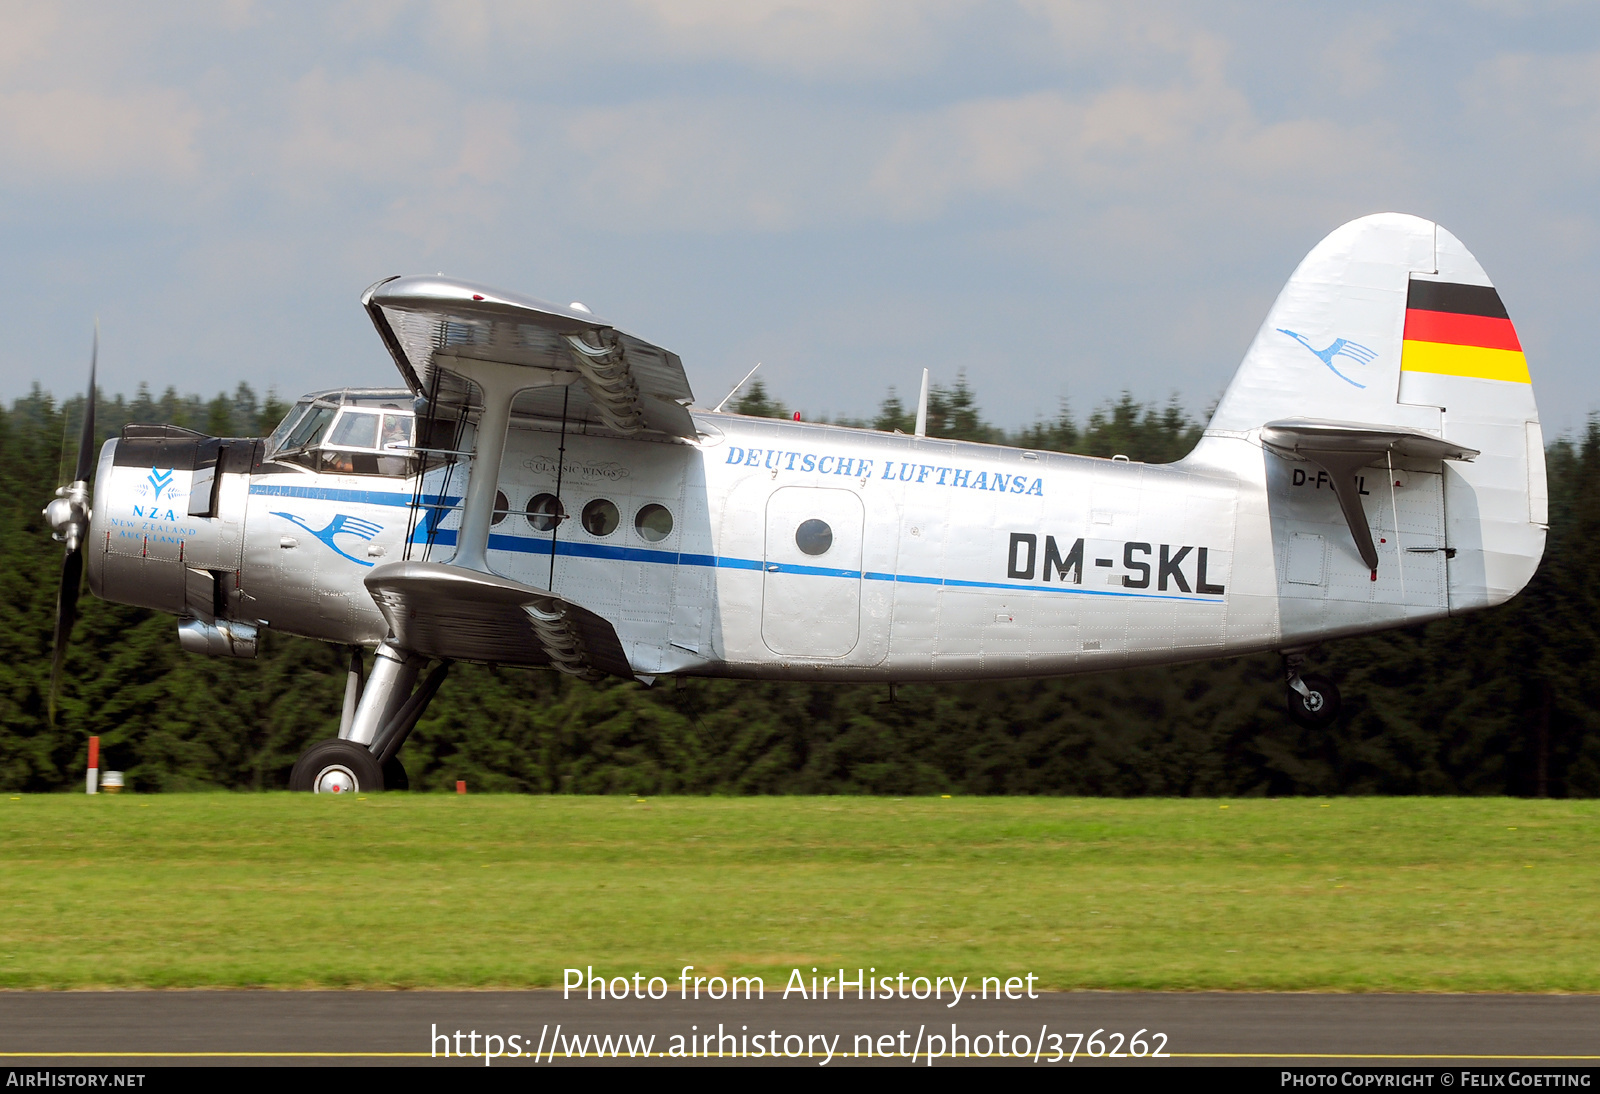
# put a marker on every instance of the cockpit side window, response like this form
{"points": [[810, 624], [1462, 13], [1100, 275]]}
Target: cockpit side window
{"points": [[396, 431], [355, 429]]}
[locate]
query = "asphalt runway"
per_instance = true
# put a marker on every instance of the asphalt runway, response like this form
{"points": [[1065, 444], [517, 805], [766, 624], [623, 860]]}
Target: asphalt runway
{"points": [[165, 1028]]}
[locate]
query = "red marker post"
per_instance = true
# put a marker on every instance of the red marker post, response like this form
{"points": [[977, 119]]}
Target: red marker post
{"points": [[461, 786], [92, 783]]}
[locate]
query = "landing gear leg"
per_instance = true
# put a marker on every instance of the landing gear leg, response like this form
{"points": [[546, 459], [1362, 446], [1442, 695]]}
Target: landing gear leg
{"points": [[394, 671], [386, 745], [355, 681], [379, 715], [1313, 700]]}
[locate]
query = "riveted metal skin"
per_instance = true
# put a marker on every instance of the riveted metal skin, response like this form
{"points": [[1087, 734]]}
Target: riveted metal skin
{"points": [[1348, 482]]}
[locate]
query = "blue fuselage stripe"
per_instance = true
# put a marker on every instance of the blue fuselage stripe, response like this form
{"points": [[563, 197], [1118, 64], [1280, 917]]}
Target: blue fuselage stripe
{"points": [[529, 546], [526, 546], [355, 497]]}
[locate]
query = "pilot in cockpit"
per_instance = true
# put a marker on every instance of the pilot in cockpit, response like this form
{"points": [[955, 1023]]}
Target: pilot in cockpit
{"points": [[396, 432]]}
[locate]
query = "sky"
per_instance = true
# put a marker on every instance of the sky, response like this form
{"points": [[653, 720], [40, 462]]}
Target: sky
{"points": [[1062, 200]]}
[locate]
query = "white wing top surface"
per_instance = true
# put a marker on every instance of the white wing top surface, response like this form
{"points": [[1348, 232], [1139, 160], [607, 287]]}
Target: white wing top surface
{"points": [[436, 327]]}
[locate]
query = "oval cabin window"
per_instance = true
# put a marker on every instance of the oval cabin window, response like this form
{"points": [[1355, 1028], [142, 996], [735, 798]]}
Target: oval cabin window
{"points": [[600, 517], [654, 523], [544, 512]]}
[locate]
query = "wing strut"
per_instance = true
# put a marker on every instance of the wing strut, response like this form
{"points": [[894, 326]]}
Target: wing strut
{"points": [[561, 510], [500, 384]]}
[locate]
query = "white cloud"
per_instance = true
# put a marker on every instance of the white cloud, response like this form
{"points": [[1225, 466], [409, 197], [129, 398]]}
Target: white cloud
{"points": [[716, 165], [809, 38], [814, 170], [414, 152], [82, 134], [1542, 102], [1354, 54], [25, 31], [1048, 149]]}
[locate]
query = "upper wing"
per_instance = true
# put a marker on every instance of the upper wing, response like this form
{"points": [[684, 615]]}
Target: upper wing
{"points": [[462, 615], [624, 383]]}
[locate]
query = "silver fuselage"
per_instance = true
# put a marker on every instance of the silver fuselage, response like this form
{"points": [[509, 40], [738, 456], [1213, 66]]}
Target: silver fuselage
{"points": [[945, 560]]}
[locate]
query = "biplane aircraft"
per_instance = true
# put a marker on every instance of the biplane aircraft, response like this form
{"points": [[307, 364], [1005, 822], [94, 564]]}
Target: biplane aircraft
{"points": [[543, 491]]}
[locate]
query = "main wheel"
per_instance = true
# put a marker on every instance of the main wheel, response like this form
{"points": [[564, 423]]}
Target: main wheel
{"points": [[394, 775], [1320, 708], [336, 767]]}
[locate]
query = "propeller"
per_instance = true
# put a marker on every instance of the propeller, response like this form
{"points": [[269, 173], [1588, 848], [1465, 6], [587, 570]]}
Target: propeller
{"points": [[68, 517]]}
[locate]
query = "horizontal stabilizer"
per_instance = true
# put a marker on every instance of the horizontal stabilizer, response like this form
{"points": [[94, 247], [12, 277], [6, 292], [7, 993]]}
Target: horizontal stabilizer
{"points": [[1302, 435], [464, 615], [578, 364], [1342, 448]]}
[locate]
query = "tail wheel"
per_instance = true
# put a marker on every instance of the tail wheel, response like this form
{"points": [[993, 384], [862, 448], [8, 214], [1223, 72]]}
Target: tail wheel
{"points": [[1318, 709], [337, 767]]}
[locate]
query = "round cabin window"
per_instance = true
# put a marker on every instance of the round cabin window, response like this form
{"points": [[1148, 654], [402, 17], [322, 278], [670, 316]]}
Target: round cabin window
{"points": [[544, 512], [600, 517], [814, 537], [654, 523], [501, 508]]}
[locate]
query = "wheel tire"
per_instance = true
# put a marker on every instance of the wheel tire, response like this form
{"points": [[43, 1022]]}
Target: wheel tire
{"points": [[336, 767], [1323, 707], [394, 775]]}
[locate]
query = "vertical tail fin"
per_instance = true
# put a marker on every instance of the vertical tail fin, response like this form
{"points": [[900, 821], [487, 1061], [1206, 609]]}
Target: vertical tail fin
{"points": [[1391, 324]]}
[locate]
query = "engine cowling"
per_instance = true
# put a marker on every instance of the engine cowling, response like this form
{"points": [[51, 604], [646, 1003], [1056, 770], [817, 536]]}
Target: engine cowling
{"points": [[167, 530]]}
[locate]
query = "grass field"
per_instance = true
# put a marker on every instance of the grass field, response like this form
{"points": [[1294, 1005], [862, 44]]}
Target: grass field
{"points": [[278, 890]]}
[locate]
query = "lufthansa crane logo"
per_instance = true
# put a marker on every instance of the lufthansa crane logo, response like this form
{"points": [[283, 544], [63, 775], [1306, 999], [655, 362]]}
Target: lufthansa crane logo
{"points": [[1340, 347], [340, 525]]}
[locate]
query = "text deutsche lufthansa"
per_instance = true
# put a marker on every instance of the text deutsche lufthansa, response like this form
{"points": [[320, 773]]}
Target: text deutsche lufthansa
{"points": [[778, 459]]}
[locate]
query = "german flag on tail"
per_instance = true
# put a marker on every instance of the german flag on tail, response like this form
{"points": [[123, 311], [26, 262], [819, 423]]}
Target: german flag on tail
{"points": [[1460, 330]]}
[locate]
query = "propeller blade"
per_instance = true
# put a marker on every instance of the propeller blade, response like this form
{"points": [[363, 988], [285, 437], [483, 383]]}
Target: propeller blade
{"points": [[66, 616], [69, 514], [86, 439]]}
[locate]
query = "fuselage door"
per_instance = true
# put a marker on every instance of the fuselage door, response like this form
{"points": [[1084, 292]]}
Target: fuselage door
{"points": [[811, 592]]}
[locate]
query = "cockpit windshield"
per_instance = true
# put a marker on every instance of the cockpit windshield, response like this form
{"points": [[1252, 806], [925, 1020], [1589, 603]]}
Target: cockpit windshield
{"points": [[348, 433], [308, 431], [280, 435]]}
